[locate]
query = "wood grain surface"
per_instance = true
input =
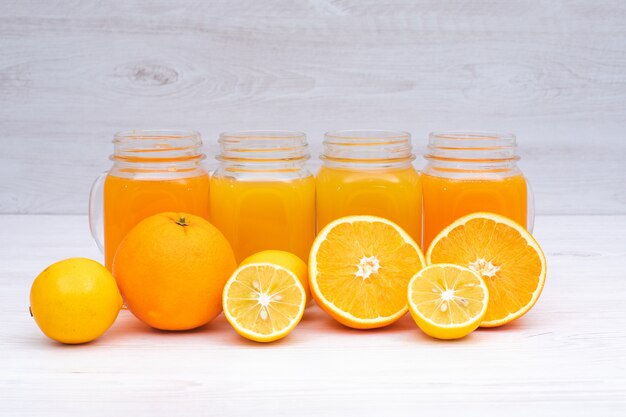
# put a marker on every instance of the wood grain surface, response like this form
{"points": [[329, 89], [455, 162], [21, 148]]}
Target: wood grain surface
{"points": [[74, 72], [566, 357]]}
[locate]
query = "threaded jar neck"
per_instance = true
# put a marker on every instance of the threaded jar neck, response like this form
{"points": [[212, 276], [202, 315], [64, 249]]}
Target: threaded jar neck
{"points": [[157, 146], [367, 149], [263, 150], [473, 153], [157, 154]]}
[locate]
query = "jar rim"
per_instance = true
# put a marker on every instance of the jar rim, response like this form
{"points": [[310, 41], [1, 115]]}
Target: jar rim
{"points": [[155, 134], [463, 138], [261, 135], [353, 136]]}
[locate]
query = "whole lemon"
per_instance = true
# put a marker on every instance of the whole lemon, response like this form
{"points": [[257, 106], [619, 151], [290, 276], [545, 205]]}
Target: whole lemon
{"points": [[75, 300], [288, 261], [171, 269]]}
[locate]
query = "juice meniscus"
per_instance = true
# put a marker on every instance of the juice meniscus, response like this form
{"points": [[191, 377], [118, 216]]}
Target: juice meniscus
{"points": [[472, 172]]}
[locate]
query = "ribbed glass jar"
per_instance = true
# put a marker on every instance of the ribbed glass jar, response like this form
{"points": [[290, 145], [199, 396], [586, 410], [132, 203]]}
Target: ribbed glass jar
{"points": [[469, 172], [153, 171], [369, 172], [262, 194]]}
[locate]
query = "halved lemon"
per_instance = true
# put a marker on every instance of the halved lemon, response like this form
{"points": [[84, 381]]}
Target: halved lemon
{"points": [[286, 260], [263, 302], [359, 270], [503, 253], [447, 301]]}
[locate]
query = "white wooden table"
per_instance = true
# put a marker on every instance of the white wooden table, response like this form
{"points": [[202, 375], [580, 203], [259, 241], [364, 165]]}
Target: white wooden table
{"points": [[566, 357]]}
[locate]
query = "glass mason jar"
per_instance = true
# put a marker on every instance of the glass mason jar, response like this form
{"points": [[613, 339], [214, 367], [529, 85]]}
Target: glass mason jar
{"points": [[262, 195], [153, 171], [370, 172], [469, 172]]}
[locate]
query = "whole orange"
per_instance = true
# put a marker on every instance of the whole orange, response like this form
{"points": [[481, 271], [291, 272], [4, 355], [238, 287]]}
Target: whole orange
{"points": [[171, 269]]}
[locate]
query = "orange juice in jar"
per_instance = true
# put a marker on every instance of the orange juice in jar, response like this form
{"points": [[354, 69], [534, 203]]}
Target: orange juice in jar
{"points": [[470, 172], [153, 171], [369, 172], [262, 195]]}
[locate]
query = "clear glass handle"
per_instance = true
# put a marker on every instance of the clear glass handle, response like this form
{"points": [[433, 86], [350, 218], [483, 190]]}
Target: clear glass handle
{"points": [[530, 198], [96, 211]]}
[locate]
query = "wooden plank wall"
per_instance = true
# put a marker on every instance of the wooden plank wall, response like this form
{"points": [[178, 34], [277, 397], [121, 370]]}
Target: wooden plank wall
{"points": [[74, 72]]}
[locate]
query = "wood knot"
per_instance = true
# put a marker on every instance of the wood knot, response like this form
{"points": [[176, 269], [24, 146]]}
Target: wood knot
{"points": [[153, 74]]}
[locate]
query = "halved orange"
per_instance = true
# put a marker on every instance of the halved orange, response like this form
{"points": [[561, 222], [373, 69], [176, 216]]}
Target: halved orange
{"points": [[503, 253], [263, 302], [447, 301], [359, 270]]}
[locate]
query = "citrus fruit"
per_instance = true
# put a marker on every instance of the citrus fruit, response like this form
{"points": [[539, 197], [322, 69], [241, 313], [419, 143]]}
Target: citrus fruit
{"points": [[263, 302], [447, 301], [359, 270], [286, 260], [503, 253], [171, 269], [75, 300]]}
